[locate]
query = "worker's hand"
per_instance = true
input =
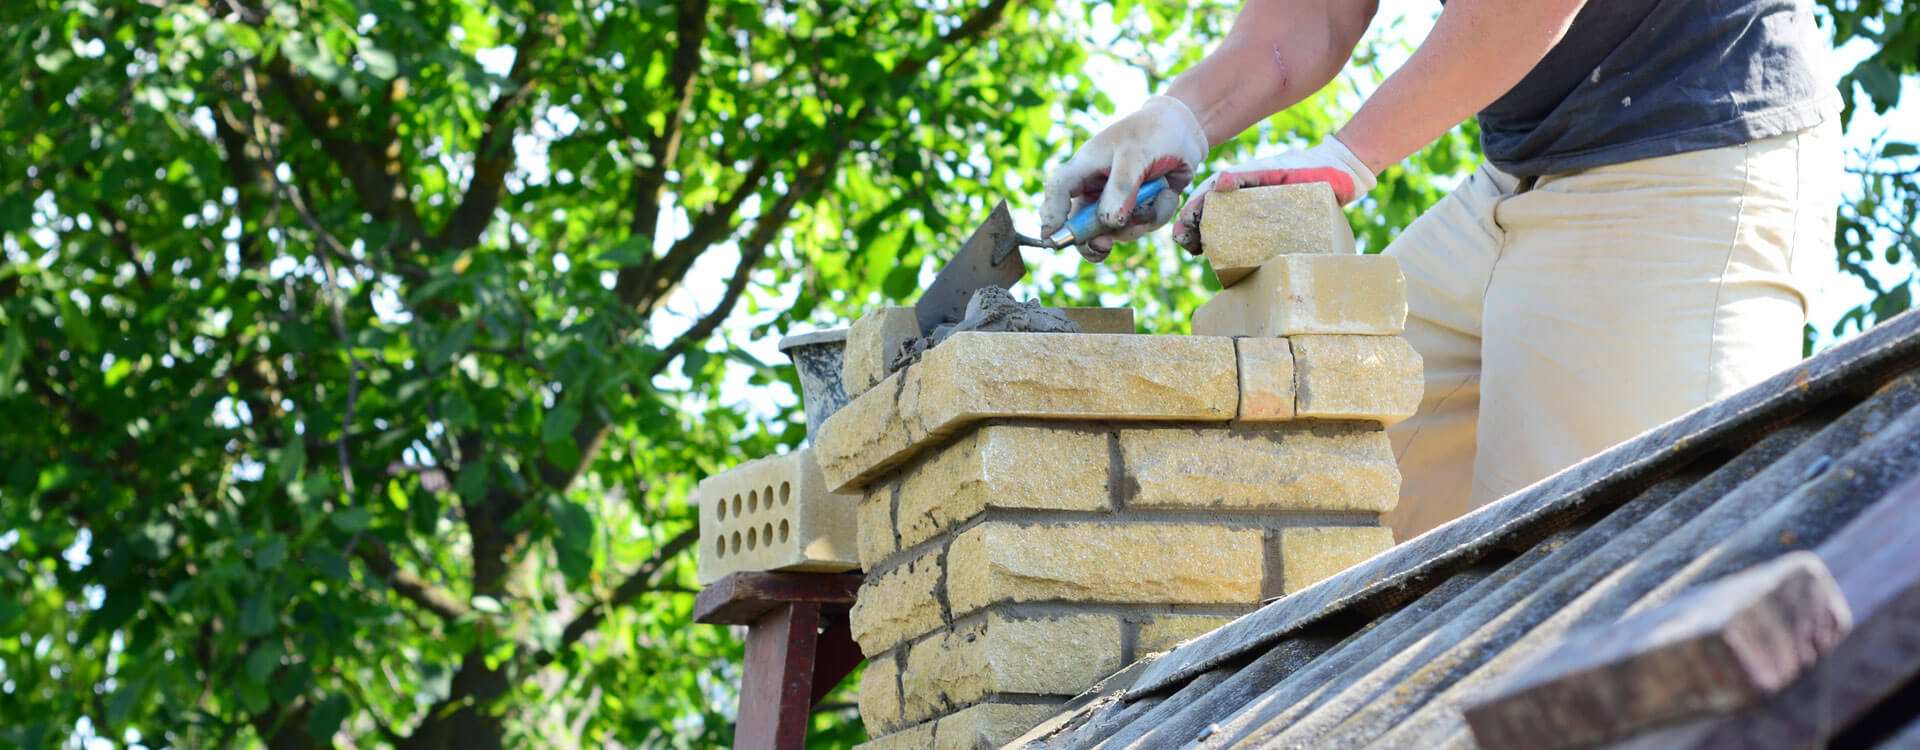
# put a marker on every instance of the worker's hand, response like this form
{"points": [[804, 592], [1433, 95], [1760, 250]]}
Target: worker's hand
{"points": [[1161, 139], [1330, 162]]}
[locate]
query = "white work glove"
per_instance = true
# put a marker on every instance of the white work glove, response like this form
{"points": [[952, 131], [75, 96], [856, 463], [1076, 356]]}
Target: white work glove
{"points": [[1161, 139], [1330, 162]]}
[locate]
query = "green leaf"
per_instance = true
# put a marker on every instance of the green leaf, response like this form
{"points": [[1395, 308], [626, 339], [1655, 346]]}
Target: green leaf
{"points": [[1880, 83], [560, 422], [351, 519], [11, 353], [380, 63], [1896, 149], [271, 555], [487, 604], [573, 539], [326, 717], [256, 615], [253, 695], [263, 660], [293, 461], [124, 700], [455, 342], [631, 251]]}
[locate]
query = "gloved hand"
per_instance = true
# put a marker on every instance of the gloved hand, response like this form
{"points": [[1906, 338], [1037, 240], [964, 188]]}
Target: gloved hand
{"points": [[1330, 162], [1162, 138]]}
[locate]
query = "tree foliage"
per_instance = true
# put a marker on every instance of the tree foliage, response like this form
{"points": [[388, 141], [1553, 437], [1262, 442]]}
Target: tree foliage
{"points": [[357, 356], [1877, 219]]}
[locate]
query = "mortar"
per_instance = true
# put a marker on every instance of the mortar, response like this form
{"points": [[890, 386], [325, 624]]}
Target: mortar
{"points": [[818, 356]]}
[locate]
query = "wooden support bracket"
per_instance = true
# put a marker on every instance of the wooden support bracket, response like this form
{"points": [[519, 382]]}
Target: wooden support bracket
{"points": [[799, 647]]}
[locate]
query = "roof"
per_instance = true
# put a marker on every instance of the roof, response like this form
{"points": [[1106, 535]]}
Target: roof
{"points": [[1390, 652]]}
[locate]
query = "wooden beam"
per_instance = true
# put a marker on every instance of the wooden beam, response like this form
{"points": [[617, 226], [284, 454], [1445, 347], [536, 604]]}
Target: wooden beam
{"points": [[744, 598], [1719, 647], [776, 696]]}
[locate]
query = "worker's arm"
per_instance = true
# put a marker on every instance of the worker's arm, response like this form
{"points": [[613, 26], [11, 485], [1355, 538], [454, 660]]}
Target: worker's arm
{"points": [[1477, 51], [1278, 52]]}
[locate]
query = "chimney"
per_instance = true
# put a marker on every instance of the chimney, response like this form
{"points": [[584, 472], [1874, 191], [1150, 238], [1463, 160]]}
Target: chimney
{"points": [[1037, 510]]}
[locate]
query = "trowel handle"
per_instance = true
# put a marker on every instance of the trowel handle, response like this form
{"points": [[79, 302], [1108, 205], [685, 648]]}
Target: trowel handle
{"points": [[1085, 223]]}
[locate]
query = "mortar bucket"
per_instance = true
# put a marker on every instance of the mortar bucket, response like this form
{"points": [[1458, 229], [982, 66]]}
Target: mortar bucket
{"points": [[817, 356]]}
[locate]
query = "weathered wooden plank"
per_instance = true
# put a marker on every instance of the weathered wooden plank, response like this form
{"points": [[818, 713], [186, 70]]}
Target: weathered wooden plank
{"points": [[835, 653], [776, 692], [1845, 371], [742, 598], [1803, 504], [1876, 559], [1718, 647]]}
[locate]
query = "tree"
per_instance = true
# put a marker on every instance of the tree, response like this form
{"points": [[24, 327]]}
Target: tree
{"points": [[1877, 218], [344, 401], [357, 357]]}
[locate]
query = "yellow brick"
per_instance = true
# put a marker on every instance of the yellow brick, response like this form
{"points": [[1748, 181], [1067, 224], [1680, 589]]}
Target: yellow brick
{"points": [[1310, 554], [989, 725], [880, 695], [1300, 466], [975, 376], [1243, 229], [1266, 379], [1103, 562], [1160, 633], [1003, 466], [775, 513], [917, 737], [1296, 294], [872, 343], [876, 527], [877, 338], [1000, 654], [899, 604], [1376, 378]]}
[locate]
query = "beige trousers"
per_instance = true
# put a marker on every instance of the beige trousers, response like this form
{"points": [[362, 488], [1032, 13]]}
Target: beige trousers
{"points": [[1560, 317]]}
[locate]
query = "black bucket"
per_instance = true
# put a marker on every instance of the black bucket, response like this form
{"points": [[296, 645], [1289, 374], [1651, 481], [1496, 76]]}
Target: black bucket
{"points": [[818, 356]]}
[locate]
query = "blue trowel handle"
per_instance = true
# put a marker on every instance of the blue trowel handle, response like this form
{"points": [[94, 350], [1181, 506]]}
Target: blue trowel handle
{"points": [[1085, 223]]}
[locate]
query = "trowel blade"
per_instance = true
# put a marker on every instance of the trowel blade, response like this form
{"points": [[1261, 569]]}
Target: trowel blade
{"points": [[972, 268]]}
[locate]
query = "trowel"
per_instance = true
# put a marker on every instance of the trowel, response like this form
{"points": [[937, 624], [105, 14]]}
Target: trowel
{"points": [[991, 257]]}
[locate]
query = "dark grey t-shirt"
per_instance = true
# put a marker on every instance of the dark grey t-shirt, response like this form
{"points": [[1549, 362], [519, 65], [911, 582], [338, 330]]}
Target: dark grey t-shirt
{"points": [[1635, 79]]}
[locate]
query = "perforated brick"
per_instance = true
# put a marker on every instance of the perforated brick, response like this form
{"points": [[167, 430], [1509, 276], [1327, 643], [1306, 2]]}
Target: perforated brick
{"points": [[774, 513]]}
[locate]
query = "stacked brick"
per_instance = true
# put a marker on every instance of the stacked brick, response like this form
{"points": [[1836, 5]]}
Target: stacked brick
{"points": [[1038, 510], [774, 513]]}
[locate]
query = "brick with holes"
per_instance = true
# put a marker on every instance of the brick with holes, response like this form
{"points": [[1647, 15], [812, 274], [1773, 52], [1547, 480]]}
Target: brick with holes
{"points": [[774, 513]]}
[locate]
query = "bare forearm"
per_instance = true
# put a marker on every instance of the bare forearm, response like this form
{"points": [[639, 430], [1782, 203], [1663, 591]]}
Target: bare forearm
{"points": [[1477, 51], [1278, 53]]}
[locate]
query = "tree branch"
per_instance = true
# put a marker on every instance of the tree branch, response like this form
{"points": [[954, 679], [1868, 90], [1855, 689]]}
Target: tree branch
{"points": [[494, 156], [373, 169], [645, 286], [409, 585], [664, 147], [644, 579]]}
